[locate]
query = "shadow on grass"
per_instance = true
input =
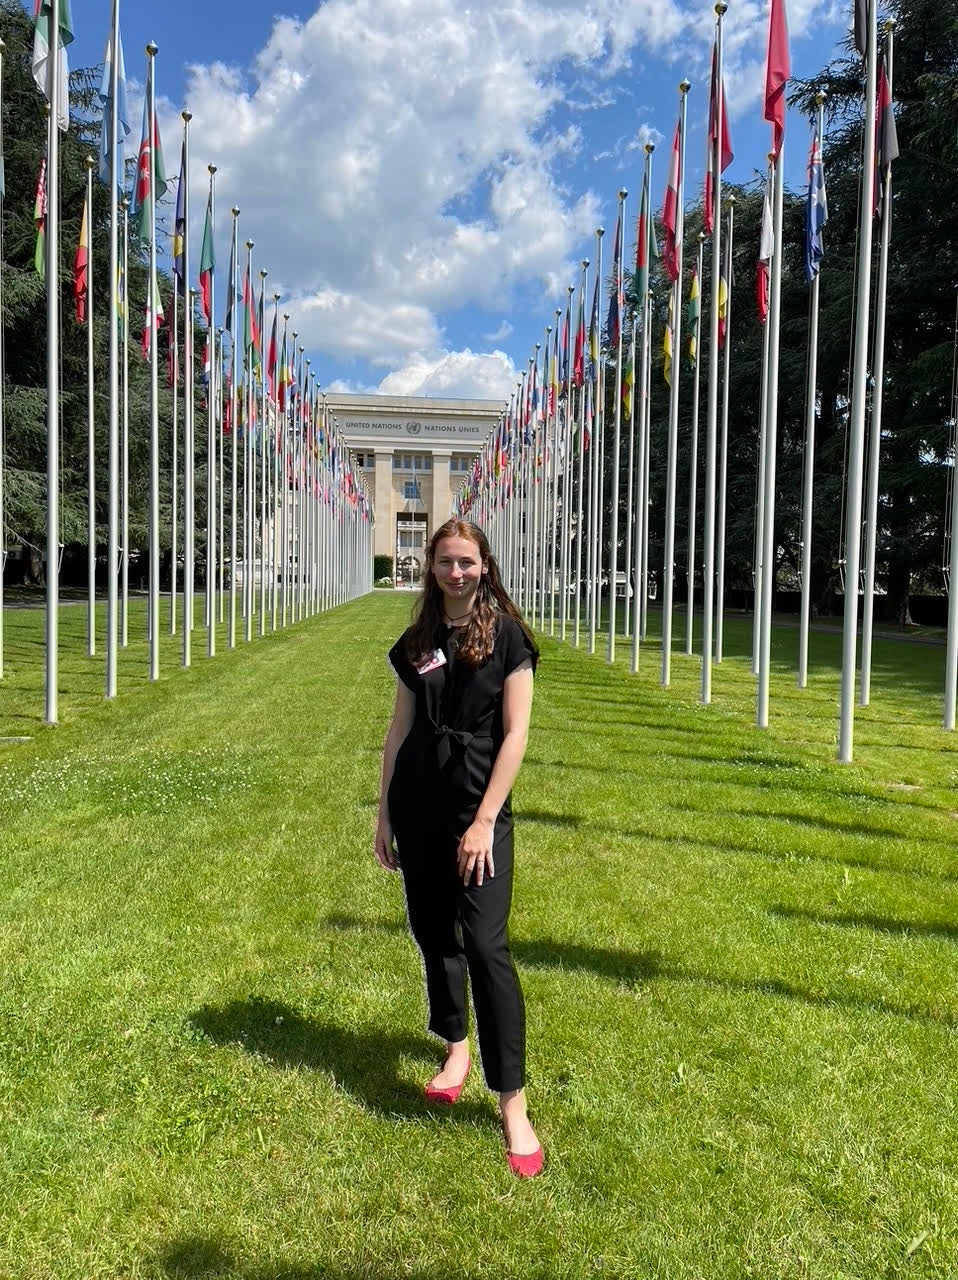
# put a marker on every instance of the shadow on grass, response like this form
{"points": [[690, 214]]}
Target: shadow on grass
{"points": [[193, 1257], [868, 829], [722, 845], [365, 1064], [542, 953], [634, 967], [877, 924]]}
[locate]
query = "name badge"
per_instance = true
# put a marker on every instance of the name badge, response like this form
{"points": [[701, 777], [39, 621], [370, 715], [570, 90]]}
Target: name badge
{"points": [[435, 660]]}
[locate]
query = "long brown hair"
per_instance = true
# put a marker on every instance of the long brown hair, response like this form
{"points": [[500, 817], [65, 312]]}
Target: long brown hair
{"points": [[478, 636]]}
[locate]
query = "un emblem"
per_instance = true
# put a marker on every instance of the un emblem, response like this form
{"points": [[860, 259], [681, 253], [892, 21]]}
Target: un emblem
{"points": [[413, 428]]}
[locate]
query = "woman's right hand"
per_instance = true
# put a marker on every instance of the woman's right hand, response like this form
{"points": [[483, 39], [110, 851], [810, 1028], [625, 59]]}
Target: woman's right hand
{"points": [[385, 851]]}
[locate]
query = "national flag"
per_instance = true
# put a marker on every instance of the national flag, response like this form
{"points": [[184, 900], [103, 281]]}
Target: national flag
{"points": [[765, 251], [725, 277], [250, 327], [285, 377], [777, 70], [229, 324], [552, 398], [153, 317], [671, 214], [694, 311], [207, 362], [271, 360], [122, 112], [81, 267], [179, 227], [864, 12], [42, 62], [886, 137], [40, 222], [613, 320], [150, 183], [628, 381], [594, 334], [642, 235], [120, 294], [564, 356], [816, 209], [578, 355], [207, 263], [667, 344], [726, 155]]}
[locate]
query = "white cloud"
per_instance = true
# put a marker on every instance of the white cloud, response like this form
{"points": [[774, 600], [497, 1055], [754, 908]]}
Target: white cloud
{"points": [[399, 161], [454, 374]]}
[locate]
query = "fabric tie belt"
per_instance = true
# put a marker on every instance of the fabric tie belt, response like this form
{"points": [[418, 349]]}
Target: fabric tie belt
{"points": [[454, 742]]}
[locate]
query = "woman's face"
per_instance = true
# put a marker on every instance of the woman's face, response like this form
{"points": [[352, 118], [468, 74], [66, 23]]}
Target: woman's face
{"points": [[458, 567]]}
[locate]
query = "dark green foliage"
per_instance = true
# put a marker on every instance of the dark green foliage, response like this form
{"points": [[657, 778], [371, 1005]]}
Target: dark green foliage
{"points": [[919, 345], [382, 567], [24, 318]]}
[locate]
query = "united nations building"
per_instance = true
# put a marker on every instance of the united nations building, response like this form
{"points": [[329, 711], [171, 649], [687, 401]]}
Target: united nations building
{"points": [[414, 454]]}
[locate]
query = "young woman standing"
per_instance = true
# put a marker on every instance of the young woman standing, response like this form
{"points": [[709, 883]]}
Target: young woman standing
{"points": [[453, 750]]}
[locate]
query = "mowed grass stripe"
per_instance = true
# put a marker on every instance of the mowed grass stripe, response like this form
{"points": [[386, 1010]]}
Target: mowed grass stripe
{"points": [[738, 960]]}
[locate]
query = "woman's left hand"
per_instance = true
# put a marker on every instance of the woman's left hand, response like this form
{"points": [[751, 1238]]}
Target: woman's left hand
{"points": [[474, 854]]}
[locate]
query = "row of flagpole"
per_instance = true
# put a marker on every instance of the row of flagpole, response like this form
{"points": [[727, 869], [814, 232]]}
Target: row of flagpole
{"points": [[306, 519], [540, 477]]}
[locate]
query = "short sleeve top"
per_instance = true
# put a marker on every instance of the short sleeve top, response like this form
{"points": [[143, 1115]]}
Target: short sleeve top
{"points": [[457, 727]]}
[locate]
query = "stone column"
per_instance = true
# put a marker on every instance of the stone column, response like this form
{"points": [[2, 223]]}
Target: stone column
{"points": [[441, 496], [385, 507]]}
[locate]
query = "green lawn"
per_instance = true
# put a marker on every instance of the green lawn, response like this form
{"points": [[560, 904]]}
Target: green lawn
{"points": [[739, 962]]}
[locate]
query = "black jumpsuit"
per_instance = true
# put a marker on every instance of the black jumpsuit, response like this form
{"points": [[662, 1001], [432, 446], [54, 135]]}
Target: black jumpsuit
{"points": [[441, 773]]}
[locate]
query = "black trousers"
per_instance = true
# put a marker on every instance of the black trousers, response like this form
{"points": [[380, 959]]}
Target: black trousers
{"points": [[465, 929]]}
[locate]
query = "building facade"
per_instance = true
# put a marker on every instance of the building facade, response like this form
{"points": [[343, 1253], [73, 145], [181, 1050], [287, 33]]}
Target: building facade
{"points": [[414, 454]]}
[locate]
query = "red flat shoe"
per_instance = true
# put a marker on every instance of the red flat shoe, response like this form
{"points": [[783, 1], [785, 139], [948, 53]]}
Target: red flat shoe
{"points": [[446, 1097], [529, 1166]]}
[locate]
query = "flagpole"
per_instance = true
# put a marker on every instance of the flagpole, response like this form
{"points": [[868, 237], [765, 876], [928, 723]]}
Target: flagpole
{"points": [[694, 453], [212, 399], [174, 476], [640, 548], [153, 309], [878, 384], [189, 423], [262, 557], [234, 416], [125, 440], [616, 437], [595, 504], [580, 472], [568, 436], [249, 483], [284, 469], [3, 425], [630, 492], [856, 419], [711, 431], [668, 568], [275, 508], [113, 428], [91, 426], [723, 443], [771, 447], [52, 269], [951, 641], [757, 567], [556, 528], [808, 469]]}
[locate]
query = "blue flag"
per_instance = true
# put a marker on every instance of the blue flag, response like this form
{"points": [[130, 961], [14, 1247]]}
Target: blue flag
{"points": [[122, 114], [816, 210]]}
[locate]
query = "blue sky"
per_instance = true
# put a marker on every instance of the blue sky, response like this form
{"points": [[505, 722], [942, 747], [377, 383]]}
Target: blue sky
{"points": [[421, 178]]}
